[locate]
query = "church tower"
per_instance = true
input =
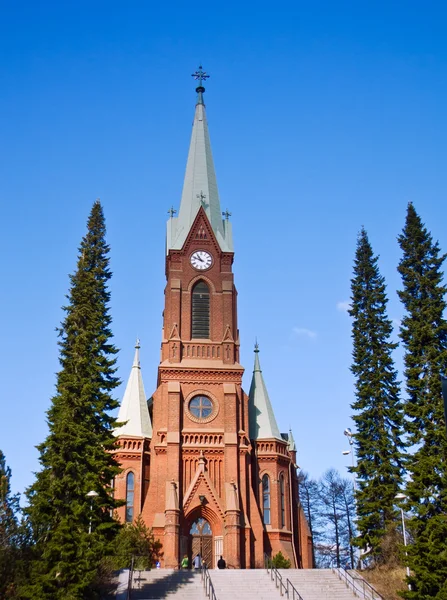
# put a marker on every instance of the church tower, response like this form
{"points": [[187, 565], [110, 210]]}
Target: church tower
{"points": [[203, 462]]}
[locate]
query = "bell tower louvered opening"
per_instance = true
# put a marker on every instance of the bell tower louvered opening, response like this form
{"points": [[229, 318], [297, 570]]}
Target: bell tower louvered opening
{"points": [[200, 311]]}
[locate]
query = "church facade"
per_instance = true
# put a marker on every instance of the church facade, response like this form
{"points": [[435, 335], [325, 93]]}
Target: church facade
{"points": [[203, 462]]}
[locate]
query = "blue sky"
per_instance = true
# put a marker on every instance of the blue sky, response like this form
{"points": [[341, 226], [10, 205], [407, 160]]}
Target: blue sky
{"points": [[324, 117]]}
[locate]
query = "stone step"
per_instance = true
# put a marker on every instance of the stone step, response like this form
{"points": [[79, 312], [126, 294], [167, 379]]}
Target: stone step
{"points": [[167, 583], [317, 584], [236, 584], [244, 584]]}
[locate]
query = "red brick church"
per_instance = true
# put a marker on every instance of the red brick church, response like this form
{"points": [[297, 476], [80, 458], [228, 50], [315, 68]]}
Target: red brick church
{"points": [[203, 462]]}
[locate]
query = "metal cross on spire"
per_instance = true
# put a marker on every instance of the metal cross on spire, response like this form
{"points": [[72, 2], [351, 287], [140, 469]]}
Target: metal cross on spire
{"points": [[226, 214], [201, 196], [200, 75], [172, 211]]}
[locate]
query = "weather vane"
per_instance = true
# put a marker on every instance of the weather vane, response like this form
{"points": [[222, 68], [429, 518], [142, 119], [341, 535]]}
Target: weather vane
{"points": [[200, 75]]}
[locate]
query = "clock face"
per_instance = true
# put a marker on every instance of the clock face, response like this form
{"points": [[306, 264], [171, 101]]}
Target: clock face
{"points": [[201, 260]]}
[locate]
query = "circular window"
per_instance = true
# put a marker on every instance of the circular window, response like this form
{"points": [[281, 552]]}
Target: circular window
{"points": [[201, 407]]}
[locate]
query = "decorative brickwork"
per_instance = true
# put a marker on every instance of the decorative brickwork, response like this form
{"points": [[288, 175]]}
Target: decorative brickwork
{"points": [[208, 469], [206, 466]]}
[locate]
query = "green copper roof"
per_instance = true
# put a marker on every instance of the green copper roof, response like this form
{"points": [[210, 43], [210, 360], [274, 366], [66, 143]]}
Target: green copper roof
{"points": [[260, 412], [199, 188], [133, 410]]}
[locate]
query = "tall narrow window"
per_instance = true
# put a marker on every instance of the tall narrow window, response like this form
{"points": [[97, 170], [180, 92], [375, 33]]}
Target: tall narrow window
{"points": [[200, 311], [266, 499], [130, 482], [283, 506]]}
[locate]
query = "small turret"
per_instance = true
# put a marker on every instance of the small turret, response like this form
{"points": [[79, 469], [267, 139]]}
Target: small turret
{"points": [[133, 411], [262, 418]]}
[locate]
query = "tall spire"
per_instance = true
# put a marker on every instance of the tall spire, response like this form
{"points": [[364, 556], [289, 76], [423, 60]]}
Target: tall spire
{"points": [[262, 419], [200, 185], [133, 411]]}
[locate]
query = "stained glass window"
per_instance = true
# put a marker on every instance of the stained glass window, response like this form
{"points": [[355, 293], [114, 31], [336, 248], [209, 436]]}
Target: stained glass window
{"points": [[266, 498], [201, 527], [283, 507], [201, 407], [130, 482]]}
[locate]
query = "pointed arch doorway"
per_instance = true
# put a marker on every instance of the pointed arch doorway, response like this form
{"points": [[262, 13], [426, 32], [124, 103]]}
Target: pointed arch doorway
{"points": [[202, 541]]}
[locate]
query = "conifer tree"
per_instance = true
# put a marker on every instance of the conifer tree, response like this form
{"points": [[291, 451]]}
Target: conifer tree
{"points": [[76, 456], [424, 336], [378, 407], [9, 531]]}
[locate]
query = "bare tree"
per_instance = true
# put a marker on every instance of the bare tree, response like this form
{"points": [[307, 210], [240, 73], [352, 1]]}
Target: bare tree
{"points": [[347, 502], [329, 506], [338, 513], [330, 498], [310, 500]]}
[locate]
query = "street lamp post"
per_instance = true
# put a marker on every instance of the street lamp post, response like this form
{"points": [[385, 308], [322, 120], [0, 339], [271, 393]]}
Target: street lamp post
{"points": [[348, 434], [401, 496], [91, 495]]}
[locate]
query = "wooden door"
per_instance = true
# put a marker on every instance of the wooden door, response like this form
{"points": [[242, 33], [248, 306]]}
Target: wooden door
{"points": [[202, 541]]}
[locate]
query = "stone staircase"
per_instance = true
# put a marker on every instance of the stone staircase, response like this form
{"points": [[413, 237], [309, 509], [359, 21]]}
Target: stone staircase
{"points": [[317, 584], [166, 583], [243, 584], [234, 584]]}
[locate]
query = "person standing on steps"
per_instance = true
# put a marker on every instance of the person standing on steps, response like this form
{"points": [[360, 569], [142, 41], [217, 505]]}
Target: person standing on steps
{"points": [[221, 564], [185, 562], [197, 562]]}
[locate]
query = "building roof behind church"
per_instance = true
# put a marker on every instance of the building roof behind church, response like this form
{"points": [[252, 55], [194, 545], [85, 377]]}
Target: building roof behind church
{"points": [[261, 416], [199, 187], [133, 410]]}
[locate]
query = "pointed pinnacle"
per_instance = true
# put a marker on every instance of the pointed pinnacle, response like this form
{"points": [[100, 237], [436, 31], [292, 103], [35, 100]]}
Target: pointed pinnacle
{"points": [[136, 360]]}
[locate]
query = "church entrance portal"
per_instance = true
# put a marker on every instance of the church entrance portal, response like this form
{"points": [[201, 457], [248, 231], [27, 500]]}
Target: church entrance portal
{"points": [[202, 541]]}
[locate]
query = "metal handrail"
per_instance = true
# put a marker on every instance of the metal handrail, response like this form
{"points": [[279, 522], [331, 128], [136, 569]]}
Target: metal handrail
{"points": [[365, 590], [287, 588], [207, 583], [129, 581]]}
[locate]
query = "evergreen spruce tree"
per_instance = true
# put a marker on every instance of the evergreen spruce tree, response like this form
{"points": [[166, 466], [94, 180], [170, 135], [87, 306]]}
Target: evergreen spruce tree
{"points": [[9, 531], [76, 457], [424, 336], [378, 407]]}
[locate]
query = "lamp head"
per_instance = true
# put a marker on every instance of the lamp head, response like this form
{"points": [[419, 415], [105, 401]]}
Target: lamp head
{"points": [[346, 452], [348, 432], [400, 496], [92, 494]]}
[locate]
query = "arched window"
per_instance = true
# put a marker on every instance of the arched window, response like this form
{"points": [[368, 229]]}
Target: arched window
{"points": [[282, 505], [266, 499], [130, 483], [200, 316]]}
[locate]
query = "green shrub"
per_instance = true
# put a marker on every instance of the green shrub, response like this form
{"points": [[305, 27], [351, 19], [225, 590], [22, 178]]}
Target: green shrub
{"points": [[280, 562], [136, 539]]}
